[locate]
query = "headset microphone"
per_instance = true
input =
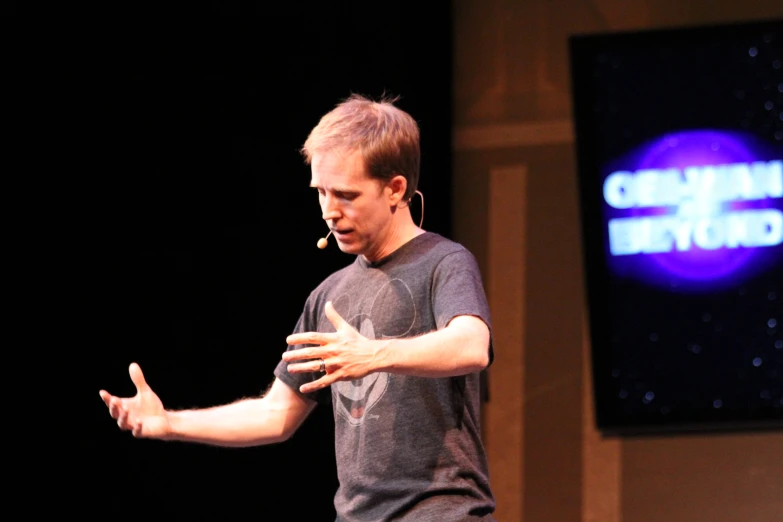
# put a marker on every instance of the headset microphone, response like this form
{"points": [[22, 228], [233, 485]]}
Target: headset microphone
{"points": [[322, 241]]}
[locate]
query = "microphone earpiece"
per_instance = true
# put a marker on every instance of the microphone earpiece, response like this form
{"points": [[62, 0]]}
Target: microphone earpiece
{"points": [[322, 242]]}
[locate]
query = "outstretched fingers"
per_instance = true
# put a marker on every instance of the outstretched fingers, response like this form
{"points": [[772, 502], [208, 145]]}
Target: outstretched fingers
{"points": [[316, 338], [122, 420], [137, 429], [106, 397], [323, 382], [116, 407]]}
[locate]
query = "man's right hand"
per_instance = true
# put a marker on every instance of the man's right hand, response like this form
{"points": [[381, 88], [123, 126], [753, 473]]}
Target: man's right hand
{"points": [[142, 414]]}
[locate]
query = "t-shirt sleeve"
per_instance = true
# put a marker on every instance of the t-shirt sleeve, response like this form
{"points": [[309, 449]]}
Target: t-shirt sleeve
{"points": [[458, 290], [295, 380]]}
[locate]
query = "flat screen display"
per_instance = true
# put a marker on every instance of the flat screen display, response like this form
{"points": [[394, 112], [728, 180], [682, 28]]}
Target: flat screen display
{"points": [[679, 145]]}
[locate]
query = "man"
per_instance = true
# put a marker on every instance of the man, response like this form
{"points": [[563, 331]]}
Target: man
{"points": [[395, 341]]}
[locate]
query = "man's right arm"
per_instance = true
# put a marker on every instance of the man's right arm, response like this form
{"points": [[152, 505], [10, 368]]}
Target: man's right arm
{"points": [[251, 422]]}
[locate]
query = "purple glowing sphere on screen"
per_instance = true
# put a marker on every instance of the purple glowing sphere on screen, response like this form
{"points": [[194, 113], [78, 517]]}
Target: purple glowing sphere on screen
{"points": [[715, 236]]}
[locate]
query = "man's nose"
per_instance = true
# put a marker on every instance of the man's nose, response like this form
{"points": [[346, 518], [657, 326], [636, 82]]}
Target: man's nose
{"points": [[331, 215], [330, 209]]}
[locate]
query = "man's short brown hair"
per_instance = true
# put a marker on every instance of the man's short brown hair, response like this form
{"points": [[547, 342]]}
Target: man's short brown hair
{"points": [[386, 136]]}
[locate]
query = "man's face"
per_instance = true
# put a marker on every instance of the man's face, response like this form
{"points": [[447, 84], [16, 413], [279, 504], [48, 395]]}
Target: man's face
{"points": [[355, 207]]}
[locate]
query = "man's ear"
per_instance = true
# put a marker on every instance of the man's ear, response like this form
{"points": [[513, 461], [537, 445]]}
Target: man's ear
{"points": [[395, 189]]}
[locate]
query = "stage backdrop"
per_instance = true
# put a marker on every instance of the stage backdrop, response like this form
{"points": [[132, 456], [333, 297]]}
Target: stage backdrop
{"points": [[199, 243]]}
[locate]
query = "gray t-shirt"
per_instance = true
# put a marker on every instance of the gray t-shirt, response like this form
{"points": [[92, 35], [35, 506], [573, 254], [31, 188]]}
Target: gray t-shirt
{"points": [[407, 448]]}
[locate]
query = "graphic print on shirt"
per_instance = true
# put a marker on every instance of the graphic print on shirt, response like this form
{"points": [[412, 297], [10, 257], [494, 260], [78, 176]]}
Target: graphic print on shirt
{"points": [[392, 313]]}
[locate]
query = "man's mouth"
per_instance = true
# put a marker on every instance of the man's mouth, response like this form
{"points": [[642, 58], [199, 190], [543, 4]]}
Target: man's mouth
{"points": [[342, 231]]}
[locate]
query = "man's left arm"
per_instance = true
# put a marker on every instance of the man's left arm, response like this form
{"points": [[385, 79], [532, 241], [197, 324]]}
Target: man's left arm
{"points": [[460, 348]]}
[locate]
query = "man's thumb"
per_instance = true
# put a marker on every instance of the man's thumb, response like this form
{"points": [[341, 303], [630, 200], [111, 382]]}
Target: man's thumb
{"points": [[331, 314], [137, 377]]}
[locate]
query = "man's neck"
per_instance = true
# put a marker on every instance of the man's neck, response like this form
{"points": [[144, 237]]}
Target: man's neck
{"points": [[402, 232]]}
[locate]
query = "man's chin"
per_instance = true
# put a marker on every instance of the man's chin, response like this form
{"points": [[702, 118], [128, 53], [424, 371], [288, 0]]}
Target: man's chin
{"points": [[349, 248]]}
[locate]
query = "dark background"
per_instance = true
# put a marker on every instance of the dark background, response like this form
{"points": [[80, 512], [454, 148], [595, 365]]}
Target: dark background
{"points": [[181, 232], [629, 88]]}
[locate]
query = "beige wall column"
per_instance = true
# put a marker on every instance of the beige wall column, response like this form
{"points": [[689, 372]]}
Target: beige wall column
{"points": [[506, 275]]}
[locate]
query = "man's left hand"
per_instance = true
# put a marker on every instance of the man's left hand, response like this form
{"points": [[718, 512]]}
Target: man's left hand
{"points": [[347, 354]]}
